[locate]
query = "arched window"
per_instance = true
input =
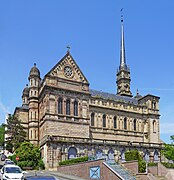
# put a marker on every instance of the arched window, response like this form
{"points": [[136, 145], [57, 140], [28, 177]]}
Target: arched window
{"points": [[135, 125], [115, 122], [75, 108], [104, 120], [125, 123], [67, 107], [31, 134], [60, 106], [92, 119], [31, 115], [154, 126]]}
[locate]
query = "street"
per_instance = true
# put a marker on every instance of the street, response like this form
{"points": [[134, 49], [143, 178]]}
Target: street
{"points": [[56, 174]]}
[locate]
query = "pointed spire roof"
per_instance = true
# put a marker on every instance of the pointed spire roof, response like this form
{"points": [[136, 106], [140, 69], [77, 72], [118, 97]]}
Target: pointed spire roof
{"points": [[122, 48]]}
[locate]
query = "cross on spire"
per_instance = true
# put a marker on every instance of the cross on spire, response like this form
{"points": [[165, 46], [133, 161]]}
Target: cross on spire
{"points": [[68, 48]]}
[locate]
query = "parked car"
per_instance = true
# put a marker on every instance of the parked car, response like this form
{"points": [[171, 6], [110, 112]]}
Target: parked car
{"points": [[41, 178], [11, 171], [3, 157], [8, 161]]}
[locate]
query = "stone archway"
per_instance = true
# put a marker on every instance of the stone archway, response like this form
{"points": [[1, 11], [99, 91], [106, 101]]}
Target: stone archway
{"points": [[72, 153], [146, 156], [111, 154], [99, 154], [122, 158], [155, 156]]}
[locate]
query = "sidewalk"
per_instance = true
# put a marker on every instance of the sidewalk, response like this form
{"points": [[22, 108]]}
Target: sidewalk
{"points": [[65, 176]]}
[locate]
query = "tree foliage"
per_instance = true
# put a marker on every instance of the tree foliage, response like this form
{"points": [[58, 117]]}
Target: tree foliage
{"points": [[135, 155], [2, 134], [168, 151], [29, 156], [15, 132]]}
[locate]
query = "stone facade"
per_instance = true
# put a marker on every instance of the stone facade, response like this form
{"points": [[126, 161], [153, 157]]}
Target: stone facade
{"points": [[67, 119]]}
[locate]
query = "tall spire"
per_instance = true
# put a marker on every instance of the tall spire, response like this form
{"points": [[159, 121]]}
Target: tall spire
{"points": [[122, 47], [123, 74]]}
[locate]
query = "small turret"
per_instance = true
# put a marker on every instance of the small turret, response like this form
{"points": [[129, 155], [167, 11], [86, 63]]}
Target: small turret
{"points": [[34, 78], [34, 72], [25, 96]]}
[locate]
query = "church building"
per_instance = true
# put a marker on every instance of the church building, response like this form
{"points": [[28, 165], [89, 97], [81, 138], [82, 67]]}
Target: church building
{"points": [[67, 119]]}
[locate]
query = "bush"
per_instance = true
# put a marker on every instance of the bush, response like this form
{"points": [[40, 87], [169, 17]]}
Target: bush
{"points": [[152, 164], [41, 164], [141, 166], [132, 155], [168, 165], [74, 161]]}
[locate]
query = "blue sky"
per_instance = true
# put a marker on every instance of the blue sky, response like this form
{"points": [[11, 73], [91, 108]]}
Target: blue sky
{"points": [[39, 31]]}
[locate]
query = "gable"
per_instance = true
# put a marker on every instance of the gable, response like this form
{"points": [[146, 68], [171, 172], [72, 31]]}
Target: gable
{"points": [[67, 69]]}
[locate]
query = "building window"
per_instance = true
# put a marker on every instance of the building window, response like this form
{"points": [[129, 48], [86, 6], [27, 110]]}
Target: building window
{"points": [[75, 108], [92, 119], [60, 106], [135, 123], [35, 134], [104, 120], [125, 123], [31, 134], [154, 126], [68, 107], [31, 115], [115, 122], [35, 115]]}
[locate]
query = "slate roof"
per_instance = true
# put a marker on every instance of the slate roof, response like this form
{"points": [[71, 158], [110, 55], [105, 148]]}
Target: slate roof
{"points": [[105, 95]]}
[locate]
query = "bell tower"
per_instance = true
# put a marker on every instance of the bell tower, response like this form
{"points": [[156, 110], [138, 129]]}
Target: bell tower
{"points": [[33, 124], [123, 73]]}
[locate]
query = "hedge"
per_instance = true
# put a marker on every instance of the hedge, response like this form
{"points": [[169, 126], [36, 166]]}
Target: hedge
{"points": [[168, 165], [152, 164], [132, 155], [74, 161]]}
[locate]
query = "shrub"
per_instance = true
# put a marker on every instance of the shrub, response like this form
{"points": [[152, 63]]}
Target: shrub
{"points": [[168, 165], [141, 166], [74, 161], [41, 164], [152, 164], [132, 155]]}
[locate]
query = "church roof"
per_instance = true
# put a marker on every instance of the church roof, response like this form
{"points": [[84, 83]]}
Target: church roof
{"points": [[105, 95]]}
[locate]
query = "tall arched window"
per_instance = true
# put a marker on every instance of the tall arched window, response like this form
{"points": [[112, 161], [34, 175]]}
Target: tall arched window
{"points": [[125, 123], [60, 106], [135, 125], [92, 119], [67, 107], [115, 122], [31, 134], [154, 126], [75, 108], [104, 120]]}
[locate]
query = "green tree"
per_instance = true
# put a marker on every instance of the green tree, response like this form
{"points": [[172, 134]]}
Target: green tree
{"points": [[168, 151], [172, 138], [15, 132], [29, 155], [2, 135]]}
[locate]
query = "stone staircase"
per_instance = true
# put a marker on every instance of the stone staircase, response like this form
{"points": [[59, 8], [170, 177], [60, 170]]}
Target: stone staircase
{"points": [[119, 170]]}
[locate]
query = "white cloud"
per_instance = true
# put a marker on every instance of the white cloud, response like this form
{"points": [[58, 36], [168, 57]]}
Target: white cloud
{"points": [[167, 128]]}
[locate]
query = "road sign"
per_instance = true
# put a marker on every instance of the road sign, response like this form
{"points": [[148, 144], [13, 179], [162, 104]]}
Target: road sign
{"points": [[17, 158]]}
